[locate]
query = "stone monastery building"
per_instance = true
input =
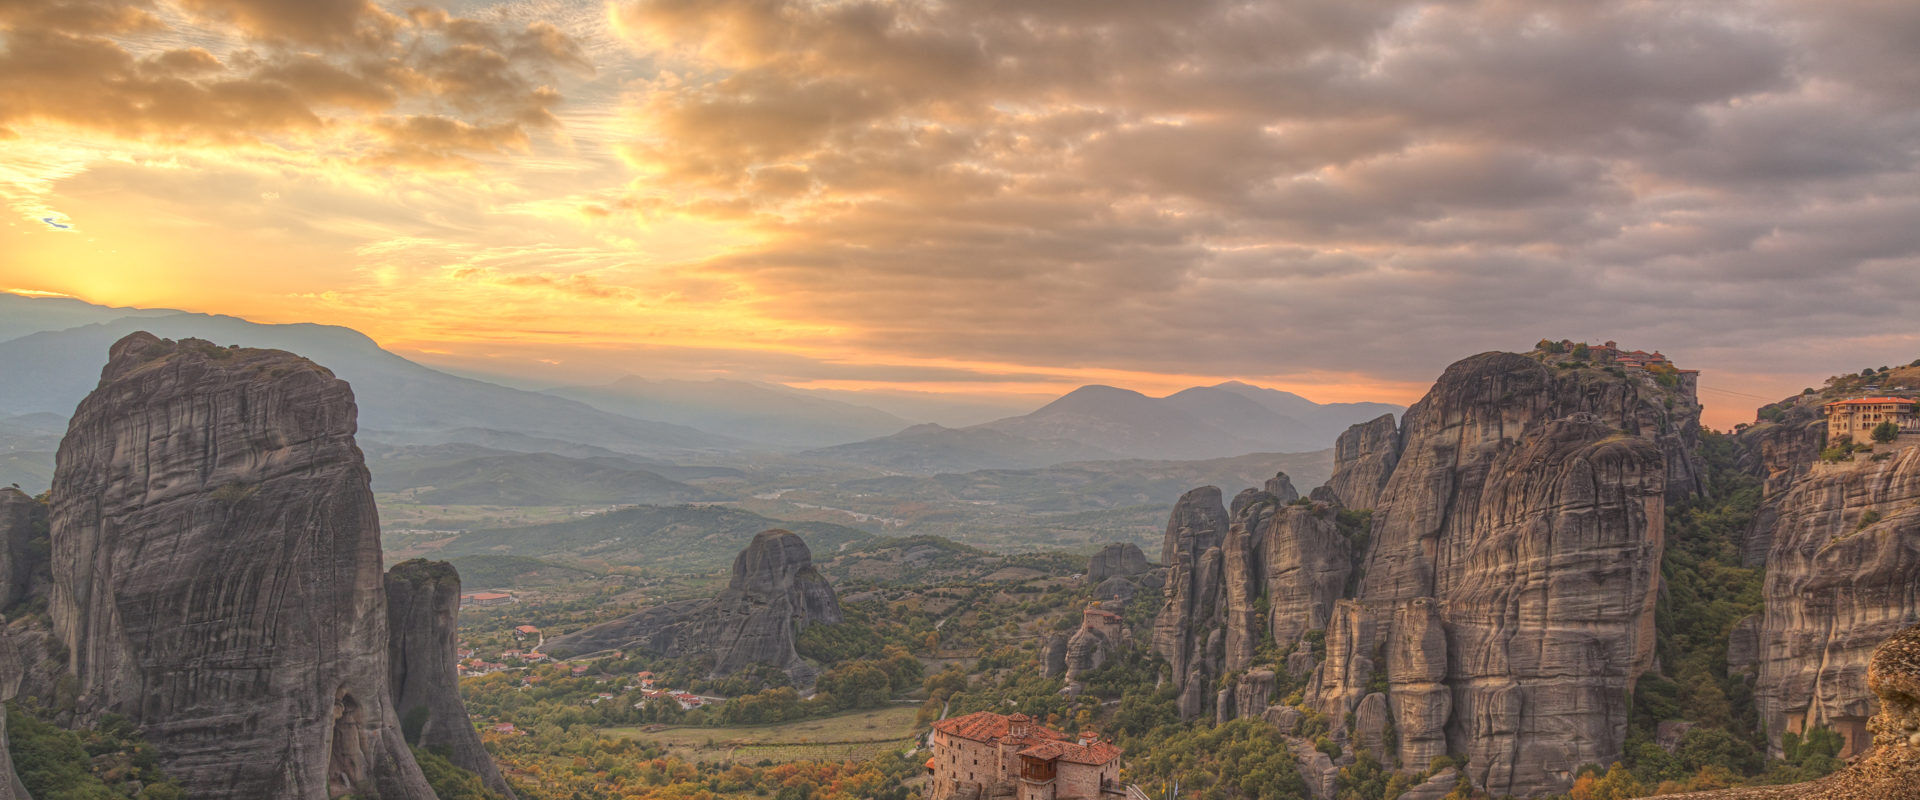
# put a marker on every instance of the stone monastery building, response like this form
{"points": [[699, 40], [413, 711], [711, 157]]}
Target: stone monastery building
{"points": [[983, 756], [1856, 418]]}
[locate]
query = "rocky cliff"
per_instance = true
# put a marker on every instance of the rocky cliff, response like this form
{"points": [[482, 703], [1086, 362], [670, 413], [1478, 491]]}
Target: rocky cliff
{"points": [[1497, 602], [1363, 458], [10, 669], [775, 593], [23, 548], [1843, 574], [22, 520], [423, 615], [217, 577], [1117, 560], [1890, 769]]}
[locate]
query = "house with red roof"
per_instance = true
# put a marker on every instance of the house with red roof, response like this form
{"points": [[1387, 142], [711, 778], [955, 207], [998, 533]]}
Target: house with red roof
{"points": [[985, 755]]}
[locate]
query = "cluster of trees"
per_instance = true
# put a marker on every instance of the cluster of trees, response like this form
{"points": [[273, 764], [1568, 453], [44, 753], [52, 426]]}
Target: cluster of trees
{"points": [[109, 762], [450, 782], [1245, 758]]}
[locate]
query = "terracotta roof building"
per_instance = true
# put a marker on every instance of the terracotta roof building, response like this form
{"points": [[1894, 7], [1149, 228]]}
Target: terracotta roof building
{"points": [[985, 755], [1856, 418]]}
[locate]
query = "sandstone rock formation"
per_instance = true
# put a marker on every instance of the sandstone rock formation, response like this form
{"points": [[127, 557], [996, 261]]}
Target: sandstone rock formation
{"points": [[423, 613], [1117, 560], [217, 578], [1363, 458], [20, 520], [1843, 575], [1504, 594], [1292, 555], [1101, 634], [10, 673], [1053, 658], [1780, 451], [775, 593], [23, 539], [1198, 523], [1891, 768]]}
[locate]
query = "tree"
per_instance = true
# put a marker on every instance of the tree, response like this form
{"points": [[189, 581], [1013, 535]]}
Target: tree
{"points": [[1886, 432]]}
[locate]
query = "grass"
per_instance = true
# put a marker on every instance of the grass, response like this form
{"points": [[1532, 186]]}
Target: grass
{"points": [[857, 736]]}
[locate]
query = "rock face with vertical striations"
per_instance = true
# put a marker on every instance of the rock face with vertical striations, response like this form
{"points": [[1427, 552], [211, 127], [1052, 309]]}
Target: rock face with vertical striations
{"points": [[775, 594], [23, 543], [23, 527], [1780, 451], [1498, 601], [423, 616], [217, 578], [1363, 457], [10, 673], [1843, 575], [1288, 556]]}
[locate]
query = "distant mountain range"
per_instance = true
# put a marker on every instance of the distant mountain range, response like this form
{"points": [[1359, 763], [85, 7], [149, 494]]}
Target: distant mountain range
{"points": [[398, 399], [648, 426], [1103, 422]]}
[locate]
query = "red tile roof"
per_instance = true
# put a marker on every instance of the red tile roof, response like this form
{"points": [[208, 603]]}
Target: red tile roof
{"points": [[986, 726], [1862, 401], [1095, 754]]}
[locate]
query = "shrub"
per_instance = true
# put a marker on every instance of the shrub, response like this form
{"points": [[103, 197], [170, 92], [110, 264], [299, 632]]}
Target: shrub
{"points": [[1886, 432]]}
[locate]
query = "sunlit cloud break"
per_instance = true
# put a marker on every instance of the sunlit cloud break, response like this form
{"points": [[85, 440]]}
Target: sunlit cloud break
{"points": [[1334, 197]]}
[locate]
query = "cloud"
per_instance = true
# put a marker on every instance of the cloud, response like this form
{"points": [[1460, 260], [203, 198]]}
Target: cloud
{"points": [[1207, 188], [1381, 185], [290, 73]]}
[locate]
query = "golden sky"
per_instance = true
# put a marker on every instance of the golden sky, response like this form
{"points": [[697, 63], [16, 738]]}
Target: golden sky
{"points": [[989, 198]]}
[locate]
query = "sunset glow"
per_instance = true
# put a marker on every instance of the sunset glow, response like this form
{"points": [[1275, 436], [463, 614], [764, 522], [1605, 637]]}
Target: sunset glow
{"points": [[990, 198]]}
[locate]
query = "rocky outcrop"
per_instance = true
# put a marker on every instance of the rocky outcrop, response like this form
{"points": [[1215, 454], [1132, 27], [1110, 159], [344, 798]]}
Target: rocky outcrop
{"points": [[775, 593], [10, 674], [1101, 635], [1890, 769], [1053, 657], [1363, 458], [1421, 700], [423, 614], [1289, 557], [1780, 451], [1117, 560], [1843, 574], [1199, 523], [217, 577], [22, 521], [23, 547], [1507, 582]]}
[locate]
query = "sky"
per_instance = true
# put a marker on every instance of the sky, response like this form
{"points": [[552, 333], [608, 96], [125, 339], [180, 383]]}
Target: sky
{"points": [[991, 198]]}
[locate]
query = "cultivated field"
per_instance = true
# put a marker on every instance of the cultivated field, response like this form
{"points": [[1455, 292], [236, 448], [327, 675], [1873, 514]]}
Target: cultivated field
{"points": [[856, 736]]}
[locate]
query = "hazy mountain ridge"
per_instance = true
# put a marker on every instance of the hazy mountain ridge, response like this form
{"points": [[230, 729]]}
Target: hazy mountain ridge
{"points": [[750, 410], [1096, 422], [396, 397]]}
